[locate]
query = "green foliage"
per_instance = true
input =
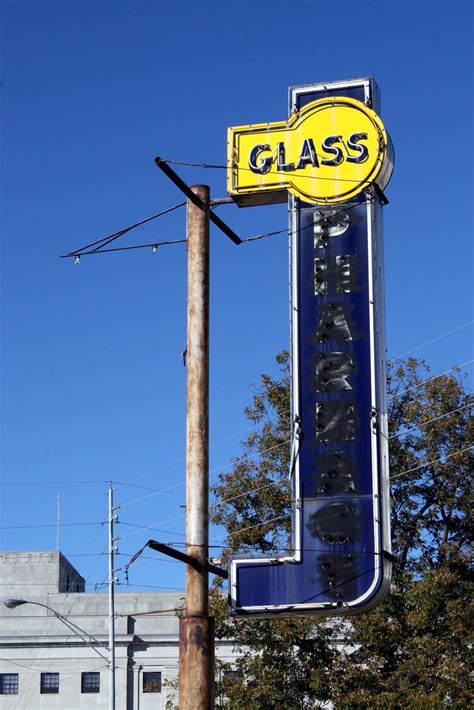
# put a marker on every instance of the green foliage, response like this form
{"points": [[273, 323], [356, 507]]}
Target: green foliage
{"points": [[263, 469], [409, 652], [431, 503], [412, 651]]}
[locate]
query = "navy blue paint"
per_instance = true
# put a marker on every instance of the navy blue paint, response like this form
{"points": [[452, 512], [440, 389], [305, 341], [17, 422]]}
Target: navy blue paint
{"points": [[355, 92]]}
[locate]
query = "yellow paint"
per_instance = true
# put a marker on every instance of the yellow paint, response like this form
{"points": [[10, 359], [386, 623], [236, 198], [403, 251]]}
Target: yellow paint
{"points": [[325, 124]]}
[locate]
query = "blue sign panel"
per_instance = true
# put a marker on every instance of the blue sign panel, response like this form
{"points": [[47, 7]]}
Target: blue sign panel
{"points": [[339, 562]]}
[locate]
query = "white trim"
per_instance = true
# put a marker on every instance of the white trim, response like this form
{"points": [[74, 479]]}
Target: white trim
{"points": [[365, 82], [296, 520]]}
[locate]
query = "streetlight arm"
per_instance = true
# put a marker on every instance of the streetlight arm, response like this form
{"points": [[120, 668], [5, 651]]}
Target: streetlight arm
{"points": [[13, 603]]}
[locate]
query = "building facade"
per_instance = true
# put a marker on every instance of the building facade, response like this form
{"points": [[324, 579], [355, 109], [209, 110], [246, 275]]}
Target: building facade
{"points": [[54, 649]]}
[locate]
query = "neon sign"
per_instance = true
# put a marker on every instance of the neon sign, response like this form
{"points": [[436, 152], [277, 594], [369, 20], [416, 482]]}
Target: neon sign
{"points": [[327, 152], [339, 561]]}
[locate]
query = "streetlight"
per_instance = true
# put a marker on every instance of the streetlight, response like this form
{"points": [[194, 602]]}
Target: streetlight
{"points": [[92, 642]]}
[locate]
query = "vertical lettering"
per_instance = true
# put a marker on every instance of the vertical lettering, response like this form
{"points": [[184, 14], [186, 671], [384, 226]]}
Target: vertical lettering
{"points": [[335, 473], [332, 371], [336, 421], [335, 324], [336, 523], [337, 275]]}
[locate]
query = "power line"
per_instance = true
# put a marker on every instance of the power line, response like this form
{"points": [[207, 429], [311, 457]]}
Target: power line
{"points": [[152, 527], [429, 421], [93, 541], [151, 559], [227, 500], [251, 455], [154, 245], [213, 505], [327, 550], [257, 525], [112, 237], [182, 458], [428, 463], [151, 495], [396, 395], [47, 525], [68, 673], [209, 166], [215, 470], [434, 340], [158, 558], [150, 586], [441, 459], [247, 493], [123, 483], [75, 482]]}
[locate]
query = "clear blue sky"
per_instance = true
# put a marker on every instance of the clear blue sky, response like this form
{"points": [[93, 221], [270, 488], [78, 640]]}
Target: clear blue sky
{"points": [[93, 386]]}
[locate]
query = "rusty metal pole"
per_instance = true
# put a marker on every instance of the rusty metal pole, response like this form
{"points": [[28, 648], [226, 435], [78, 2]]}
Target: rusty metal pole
{"points": [[196, 628]]}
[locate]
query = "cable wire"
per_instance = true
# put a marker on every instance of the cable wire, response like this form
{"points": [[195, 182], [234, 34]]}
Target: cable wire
{"points": [[206, 166], [247, 493], [151, 495], [112, 237], [48, 525], [212, 471], [75, 482], [396, 395], [257, 525], [153, 527], [434, 340], [428, 463], [429, 421], [154, 245], [182, 458]]}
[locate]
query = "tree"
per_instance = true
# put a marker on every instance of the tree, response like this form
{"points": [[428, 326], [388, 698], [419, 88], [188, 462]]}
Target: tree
{"points": [[409, 652], [412, 650]]}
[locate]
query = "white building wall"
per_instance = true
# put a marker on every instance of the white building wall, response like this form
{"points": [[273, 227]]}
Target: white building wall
{"points": [[34, 641]]}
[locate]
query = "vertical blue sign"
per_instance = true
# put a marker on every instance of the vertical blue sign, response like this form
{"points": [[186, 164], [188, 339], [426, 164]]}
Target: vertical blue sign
{"points": [[339, 561]]}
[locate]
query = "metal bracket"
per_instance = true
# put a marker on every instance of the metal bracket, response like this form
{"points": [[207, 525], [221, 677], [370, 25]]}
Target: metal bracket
{"points": [[182, 557], [174, 177], [295, 445], [388, 556]]}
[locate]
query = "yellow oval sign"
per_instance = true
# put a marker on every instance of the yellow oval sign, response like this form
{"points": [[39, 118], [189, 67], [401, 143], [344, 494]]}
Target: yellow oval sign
{"points": [[328, 152]]}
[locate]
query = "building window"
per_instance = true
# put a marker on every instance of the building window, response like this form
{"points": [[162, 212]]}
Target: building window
{"points": [[49, 683], [151, 682], [90, 682], [8, 683]]}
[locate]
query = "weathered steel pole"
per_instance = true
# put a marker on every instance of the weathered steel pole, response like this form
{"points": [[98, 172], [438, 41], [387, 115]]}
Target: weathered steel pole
{"points": [[196, 628]]}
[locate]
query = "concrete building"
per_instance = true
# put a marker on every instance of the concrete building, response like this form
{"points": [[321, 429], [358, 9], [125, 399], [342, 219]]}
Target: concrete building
{"points": [[44, 664]]}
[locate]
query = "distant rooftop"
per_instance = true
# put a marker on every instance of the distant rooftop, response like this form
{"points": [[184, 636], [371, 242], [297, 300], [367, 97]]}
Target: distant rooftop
{"points": [[39, 572]]}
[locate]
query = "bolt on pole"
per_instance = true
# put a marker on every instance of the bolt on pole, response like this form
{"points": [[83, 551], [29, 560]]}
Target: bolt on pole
{"points": [[196, 628]]}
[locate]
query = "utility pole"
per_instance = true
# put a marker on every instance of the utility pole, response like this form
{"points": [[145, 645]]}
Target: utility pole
{"points": [[196, 628], [112, 549]]}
